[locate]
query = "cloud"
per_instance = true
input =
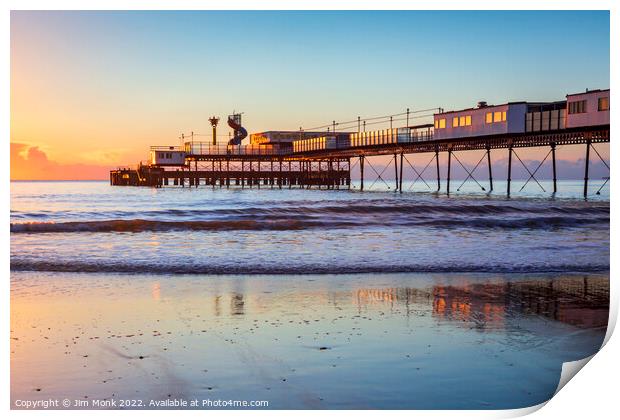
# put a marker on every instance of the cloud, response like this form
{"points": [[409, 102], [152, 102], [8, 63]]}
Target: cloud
{"points": [[30, 163]]}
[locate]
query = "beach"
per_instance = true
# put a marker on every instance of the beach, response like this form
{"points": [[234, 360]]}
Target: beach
{"points": [[340, 300], [357, 341]]}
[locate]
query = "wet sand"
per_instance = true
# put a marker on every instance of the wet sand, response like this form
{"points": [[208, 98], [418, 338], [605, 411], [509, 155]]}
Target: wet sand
{"points": [[470, 341]]}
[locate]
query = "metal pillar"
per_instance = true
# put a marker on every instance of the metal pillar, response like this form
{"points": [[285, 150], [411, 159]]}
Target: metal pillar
{"points": [[490, 169], [449, 165], [400, 184], [280, 176], [396, 171], [250, 175], [555, 186], [227, 173], [509, 169], [290, 175], [438, 174], [585, 178], [271, 175], [349, 173], [361, 173]]}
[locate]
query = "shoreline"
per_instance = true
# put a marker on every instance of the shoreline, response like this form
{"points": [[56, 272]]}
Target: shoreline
{"points": [[336, 271], [396, 340]]}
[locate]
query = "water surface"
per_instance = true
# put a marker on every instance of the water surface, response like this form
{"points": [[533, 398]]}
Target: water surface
{"points": [[429, 341], [303, 298]]}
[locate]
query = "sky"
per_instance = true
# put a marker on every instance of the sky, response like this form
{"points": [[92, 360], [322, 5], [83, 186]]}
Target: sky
{"points": [[93, 90]]}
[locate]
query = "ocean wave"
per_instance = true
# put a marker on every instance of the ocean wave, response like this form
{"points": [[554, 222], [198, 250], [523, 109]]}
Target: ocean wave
{"points": [[306, 209], [302, 223], [240, 269]]}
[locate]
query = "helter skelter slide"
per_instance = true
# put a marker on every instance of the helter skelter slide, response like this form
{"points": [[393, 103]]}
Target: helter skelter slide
{"points": [[234, 122]]}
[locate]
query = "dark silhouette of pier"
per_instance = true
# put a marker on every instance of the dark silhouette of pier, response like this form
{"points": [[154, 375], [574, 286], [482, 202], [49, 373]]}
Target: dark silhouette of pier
{"points": [[331, 168]]}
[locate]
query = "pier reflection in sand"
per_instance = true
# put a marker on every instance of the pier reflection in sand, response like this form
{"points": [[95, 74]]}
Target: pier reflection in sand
{"points": [[579, 301], [357, 341]]}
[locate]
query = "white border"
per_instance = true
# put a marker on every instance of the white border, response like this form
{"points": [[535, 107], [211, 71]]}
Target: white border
{"points": [[592, 395]]}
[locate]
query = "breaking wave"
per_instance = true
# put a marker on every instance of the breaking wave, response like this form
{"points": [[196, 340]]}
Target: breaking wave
{"points": [[242, 269], [301, 223]]}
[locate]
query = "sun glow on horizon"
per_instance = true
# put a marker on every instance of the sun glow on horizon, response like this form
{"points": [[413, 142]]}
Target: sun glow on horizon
{"points": [[93, 90]]}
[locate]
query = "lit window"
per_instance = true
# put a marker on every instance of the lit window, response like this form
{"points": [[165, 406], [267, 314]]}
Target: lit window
{"points": [[455, 122], [462, 121], [603, 104], [468, 120], [436, 123], [489, 118], [497, 116], [503, 115], [442, 123]]}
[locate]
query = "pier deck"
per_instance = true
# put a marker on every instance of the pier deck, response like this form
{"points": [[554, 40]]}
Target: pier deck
{"points": [[331, 168]]}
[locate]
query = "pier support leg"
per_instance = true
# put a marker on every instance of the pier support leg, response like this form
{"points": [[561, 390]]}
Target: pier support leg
{"points": [[280, 176], [396, 171], [490, 169], [555, 178], [349, 173], [400, 180], [361, 173], [585, 178], [509, 170], [220, 173], [449, 166], [438, 174], [227, 173]]}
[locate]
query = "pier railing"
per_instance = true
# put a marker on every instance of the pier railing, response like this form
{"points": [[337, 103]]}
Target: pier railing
{"points": [[205, 148]]}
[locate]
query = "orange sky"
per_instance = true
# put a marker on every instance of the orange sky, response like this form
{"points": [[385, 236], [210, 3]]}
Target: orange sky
{"points": [[30, 163], [92, 91]]}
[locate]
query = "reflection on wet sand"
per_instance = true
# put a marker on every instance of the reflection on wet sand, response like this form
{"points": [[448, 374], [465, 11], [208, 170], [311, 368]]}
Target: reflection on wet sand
{"points": [[579, 302], [389, 341]]}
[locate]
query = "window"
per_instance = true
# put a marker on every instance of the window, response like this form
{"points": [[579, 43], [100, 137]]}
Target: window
{"points": [[440, 123], [462, 121], [603, 104], [494, 117], [160, 155], [577, 107]]}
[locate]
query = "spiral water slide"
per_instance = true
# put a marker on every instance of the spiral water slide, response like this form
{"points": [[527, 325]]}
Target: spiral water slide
{"points": [[240, 132]]}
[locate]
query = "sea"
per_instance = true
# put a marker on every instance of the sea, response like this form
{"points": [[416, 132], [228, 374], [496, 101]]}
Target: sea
{"points": [[305, 298]]}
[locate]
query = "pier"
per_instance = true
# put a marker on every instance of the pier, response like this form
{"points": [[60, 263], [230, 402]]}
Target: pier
{"points": [[256, 167], [243, 171]]}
